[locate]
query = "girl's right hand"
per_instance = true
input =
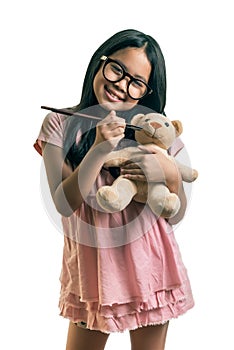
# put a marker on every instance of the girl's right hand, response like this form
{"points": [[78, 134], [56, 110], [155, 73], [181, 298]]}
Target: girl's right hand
{"points": [[110, 131]]}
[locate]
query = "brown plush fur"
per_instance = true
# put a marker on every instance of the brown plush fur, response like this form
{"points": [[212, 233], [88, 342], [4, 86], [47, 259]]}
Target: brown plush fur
{"points": [[157, 131]]}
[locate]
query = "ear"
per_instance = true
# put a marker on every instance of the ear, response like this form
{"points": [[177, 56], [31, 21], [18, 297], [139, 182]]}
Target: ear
{"points": [[137, 118], [178, 126]]}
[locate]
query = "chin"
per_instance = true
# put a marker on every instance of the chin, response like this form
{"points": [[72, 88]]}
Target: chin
{"points": [[117, 106]]}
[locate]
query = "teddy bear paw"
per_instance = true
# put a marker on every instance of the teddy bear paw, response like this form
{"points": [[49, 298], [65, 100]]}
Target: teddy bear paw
{"points": [[171, 206], [195, 174], [111, 200], [166, 206]]}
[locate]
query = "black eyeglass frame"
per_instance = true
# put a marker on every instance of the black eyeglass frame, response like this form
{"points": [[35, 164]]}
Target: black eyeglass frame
{"points": [[125, 74]]}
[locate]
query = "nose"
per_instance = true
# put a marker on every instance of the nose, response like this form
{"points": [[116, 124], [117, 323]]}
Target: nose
{"points": [[156, 125], [122, 84]]}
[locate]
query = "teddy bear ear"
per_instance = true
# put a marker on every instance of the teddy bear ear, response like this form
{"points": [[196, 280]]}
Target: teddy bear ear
{"points": [[137, 118], [178, 126]]}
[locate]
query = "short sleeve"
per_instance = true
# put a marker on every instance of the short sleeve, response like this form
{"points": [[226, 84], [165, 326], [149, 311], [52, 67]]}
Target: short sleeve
{"points": [[52, 131], [176, 147]]}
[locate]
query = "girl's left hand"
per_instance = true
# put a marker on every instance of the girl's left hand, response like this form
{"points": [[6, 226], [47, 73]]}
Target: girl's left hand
{"points": [[152, 166]]}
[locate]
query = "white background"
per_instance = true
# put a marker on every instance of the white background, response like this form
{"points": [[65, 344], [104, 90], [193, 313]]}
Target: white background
{"points": [[45, 49]]}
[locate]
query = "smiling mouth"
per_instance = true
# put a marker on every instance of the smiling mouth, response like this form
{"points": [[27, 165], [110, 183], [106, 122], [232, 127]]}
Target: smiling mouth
{"points": [[113, 95]]}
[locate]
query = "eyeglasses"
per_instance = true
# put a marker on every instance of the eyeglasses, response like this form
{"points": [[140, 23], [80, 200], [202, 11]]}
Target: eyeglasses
{"points": [[114, 72]]}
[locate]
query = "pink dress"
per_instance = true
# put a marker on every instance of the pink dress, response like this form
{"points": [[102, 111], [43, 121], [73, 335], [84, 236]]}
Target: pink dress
{"points": [[120, 271]]}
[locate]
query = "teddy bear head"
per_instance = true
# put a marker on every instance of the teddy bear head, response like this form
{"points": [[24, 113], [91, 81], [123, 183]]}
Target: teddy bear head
{"points": [[157, 129]]}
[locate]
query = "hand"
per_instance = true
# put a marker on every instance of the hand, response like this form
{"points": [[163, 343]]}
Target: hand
{"points": [[152, 166], [110, 131]]}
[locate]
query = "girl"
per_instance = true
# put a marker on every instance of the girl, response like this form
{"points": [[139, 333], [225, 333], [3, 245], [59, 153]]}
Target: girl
{"points": [[121, 271]]}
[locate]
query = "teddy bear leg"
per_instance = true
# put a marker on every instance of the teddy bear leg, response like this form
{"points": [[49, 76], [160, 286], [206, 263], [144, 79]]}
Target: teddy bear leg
{"points": [[117, 196], [162, 202]]}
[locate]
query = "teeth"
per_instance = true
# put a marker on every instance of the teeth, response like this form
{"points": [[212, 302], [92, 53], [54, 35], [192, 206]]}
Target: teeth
{"points": [[114, 96]]}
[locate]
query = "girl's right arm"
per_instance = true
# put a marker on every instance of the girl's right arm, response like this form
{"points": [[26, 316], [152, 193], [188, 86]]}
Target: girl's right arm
{"points": [[70, 188]]}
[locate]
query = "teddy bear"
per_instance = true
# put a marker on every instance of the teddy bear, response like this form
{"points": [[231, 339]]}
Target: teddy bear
{"points": [[158, 131]]}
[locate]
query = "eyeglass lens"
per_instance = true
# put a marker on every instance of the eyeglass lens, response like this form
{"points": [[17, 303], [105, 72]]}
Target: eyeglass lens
{"points": [[114, 73]]}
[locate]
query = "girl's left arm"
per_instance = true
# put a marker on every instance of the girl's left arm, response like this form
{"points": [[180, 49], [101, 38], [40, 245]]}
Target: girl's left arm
{"points": [[156, 167]]}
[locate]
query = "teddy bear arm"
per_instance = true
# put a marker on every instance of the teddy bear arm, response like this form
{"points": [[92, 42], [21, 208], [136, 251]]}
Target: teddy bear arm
{"points": [[188, 174]]}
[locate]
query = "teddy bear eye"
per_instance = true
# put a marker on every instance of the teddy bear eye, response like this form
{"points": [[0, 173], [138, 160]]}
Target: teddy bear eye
{"points": [[167, 124]]}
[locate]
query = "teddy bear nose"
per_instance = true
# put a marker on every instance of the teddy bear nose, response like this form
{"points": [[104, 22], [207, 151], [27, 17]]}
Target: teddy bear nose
{"points": [[156, 125]]}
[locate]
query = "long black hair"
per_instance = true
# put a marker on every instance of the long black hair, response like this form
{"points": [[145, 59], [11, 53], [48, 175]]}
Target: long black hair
{"points": [[155, 101]]}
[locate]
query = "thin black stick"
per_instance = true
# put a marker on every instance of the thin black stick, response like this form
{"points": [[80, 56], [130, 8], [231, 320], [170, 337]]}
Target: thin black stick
{"points": [[67, 112]]}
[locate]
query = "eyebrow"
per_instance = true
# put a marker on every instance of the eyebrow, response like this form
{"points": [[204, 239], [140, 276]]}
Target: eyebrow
{"points": [[134, 76]]}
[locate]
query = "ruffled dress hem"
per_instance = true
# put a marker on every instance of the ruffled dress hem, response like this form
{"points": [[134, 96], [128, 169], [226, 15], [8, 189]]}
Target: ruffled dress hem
{"points": [[161, 307]]}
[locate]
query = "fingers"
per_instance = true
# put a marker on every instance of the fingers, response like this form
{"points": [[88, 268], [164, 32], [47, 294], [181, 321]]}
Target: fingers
{"points": [[148, 149], [135, 174], [144, 167], [133, 171], [130, 165], [110, 129], [112, 121], [111, 116], [111, 126], [135, 177]]}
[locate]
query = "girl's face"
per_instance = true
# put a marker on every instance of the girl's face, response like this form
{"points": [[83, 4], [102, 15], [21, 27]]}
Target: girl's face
{"points": [[114, 96]]}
